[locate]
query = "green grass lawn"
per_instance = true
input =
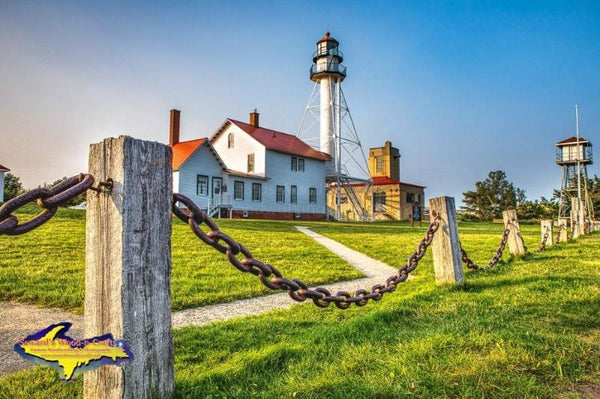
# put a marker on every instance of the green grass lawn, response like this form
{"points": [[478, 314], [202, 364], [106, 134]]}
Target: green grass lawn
{"points": [[392, 243], [528, 328], [46, 266]]}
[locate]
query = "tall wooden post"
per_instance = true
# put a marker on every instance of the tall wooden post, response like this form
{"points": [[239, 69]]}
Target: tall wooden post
{"points": [[128, 266], [575, 222], [563, 226], [547, 228], [447, 260], [516, 245]]}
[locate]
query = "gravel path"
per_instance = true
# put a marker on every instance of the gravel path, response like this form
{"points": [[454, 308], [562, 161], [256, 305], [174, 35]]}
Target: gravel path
{"points": [[20, 320], [375, 272]]}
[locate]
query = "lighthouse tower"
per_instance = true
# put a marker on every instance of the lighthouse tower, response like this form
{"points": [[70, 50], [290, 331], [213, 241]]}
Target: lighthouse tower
{"points": [[327, 108], [327, 70]]}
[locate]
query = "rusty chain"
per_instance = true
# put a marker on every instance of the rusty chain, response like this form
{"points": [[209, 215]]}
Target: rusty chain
{"points": [[544, 240], [558, 230], [49, 199], [572, 233], [297, 289], [495, 259]]}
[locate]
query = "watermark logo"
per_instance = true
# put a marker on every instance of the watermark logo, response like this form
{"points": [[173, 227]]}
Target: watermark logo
{"points": [[70, 357]]}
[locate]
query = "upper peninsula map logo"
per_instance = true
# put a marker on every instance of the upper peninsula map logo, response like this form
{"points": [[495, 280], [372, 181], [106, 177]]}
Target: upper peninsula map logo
{"points": [[52, 347]]}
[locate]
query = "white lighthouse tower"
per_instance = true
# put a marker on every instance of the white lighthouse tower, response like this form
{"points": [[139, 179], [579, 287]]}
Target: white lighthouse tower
{"points": [[337, 134], [327, 70]]}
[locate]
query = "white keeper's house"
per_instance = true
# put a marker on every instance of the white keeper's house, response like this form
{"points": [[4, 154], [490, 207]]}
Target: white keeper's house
{"points": [[245, 170], [3, 170]]}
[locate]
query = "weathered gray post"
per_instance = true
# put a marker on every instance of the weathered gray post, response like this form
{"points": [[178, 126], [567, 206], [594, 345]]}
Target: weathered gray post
{"points": [[516, 245], [447, 260], [547, 228], [575, 222], [563, 226], [128, 266]]}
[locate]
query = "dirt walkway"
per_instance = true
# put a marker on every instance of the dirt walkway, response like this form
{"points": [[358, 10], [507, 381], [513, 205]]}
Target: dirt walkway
{"points": [[21, 320], [375, 272]]}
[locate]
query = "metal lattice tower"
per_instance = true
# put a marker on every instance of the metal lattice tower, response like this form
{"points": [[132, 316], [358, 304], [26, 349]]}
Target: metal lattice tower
{"points": [[337, 135], [574, 155]]}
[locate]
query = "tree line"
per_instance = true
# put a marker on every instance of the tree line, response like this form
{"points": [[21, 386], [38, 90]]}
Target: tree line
{"points": [[496, 194], [13, 187]]}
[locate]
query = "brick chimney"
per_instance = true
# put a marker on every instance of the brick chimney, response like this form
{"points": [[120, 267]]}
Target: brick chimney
{"points": [[174, 130], [254, 118]]}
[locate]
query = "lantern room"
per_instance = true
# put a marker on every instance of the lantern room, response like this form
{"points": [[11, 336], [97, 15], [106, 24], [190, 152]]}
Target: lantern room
{"points": [[571, 150], [327, 60]]}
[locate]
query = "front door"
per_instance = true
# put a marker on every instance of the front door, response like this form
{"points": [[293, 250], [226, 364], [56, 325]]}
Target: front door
{"points": [[217, 184]]}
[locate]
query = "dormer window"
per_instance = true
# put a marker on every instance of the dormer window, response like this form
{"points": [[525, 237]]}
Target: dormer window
{"points": [[230, 140]]}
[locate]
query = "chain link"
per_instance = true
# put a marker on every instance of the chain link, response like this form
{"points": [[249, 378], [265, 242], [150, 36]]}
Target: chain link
{"points": [[272, 278], [572, 233], [495, 259], [558, 230], [544, 240], [49, 199]]}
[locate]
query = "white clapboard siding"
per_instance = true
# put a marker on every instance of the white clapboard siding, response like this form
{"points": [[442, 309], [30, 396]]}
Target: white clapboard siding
{"points": [[236, 158], [201, 162]]}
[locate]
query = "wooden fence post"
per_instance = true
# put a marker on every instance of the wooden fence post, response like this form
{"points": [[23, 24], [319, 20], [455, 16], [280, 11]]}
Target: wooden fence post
{"points": [[128, 267], [575, 222], [516, 245], [563, 234], [547, 227], [447, 260]]}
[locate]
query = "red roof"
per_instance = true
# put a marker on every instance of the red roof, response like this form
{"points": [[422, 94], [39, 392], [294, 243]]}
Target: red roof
{"points": [[4, 168], [327, 37], [384, 180], [572, 140], [281, 142], [182, 151]]}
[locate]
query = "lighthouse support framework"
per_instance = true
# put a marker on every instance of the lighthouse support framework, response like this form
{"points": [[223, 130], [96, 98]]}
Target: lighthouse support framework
{"points": [[349, 163]]}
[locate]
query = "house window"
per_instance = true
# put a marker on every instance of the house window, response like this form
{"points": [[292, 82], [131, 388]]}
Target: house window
{"points": [[280, 197], [294, 164], [256, 192], [294, 195], [379, 198], [201, 185], [378, 164], [238, 190], [300, 165], [250, 163], [410, 198], [312, 195], [419, 198], [230, 140]]}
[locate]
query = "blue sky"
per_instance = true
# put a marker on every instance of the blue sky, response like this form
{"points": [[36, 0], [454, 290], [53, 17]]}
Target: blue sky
{"points": [[461, 88]]}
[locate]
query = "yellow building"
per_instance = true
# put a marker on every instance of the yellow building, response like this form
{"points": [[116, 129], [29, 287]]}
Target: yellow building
{"points": [[392, 199]]}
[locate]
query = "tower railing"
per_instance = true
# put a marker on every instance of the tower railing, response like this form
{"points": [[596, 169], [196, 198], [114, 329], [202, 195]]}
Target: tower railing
{"points": [[567, 156]]}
